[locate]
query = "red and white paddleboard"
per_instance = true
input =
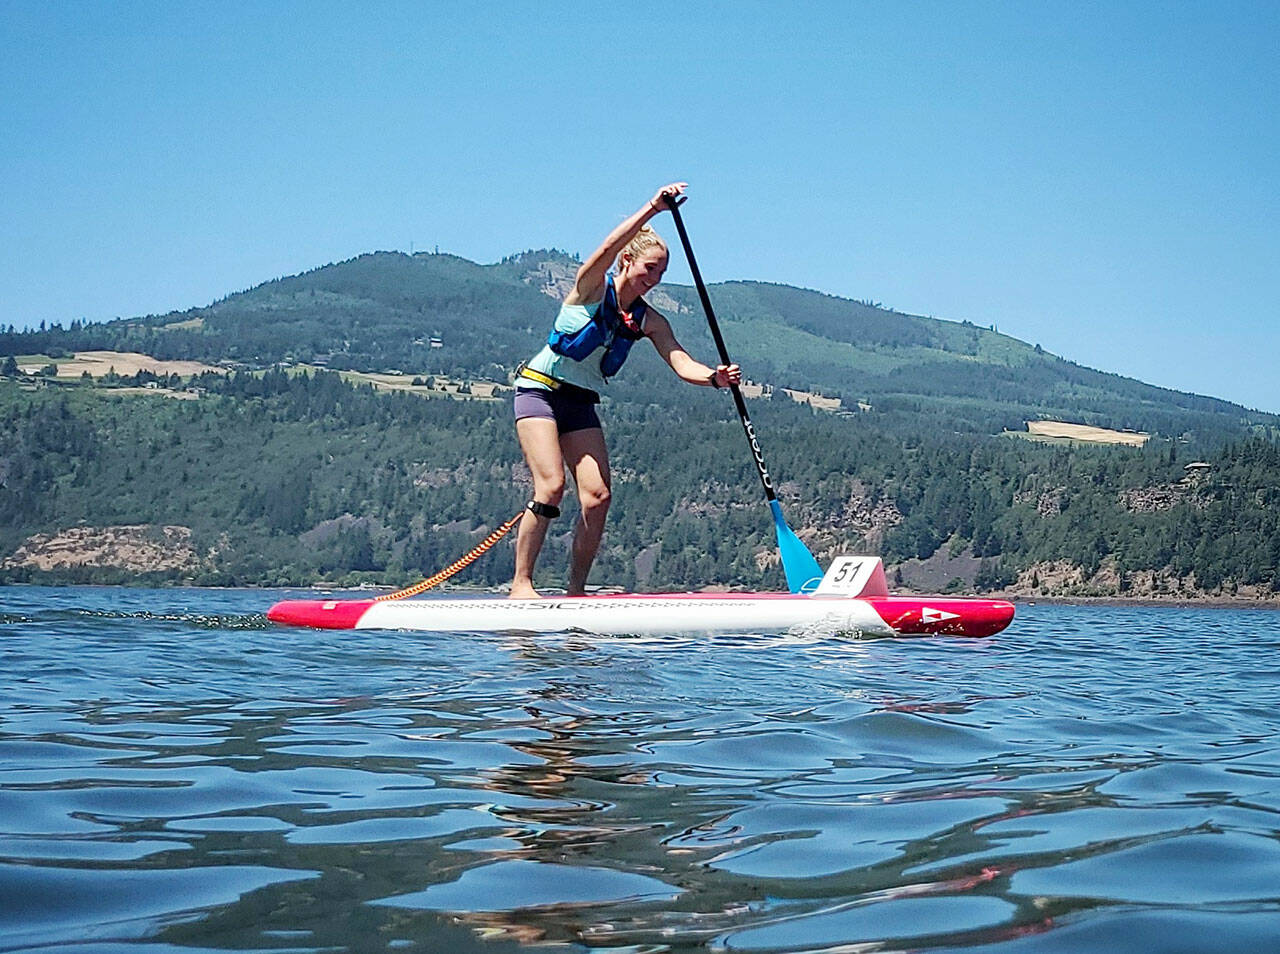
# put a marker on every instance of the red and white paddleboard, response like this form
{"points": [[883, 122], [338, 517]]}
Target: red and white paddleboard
{"points": [[852, 598]]}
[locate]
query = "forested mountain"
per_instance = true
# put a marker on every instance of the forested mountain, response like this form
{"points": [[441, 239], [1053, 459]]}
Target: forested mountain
{"points": [[267, 475], [380, 311]]}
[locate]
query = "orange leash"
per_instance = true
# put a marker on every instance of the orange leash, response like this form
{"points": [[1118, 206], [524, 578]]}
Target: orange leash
{"points": [[457, 565]]}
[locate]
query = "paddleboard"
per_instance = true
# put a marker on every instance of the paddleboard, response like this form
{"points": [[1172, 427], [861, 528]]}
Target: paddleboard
{"points": [[851, 599]]}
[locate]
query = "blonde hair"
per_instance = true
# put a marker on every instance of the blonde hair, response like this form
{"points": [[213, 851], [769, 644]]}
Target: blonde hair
{"points": [[644, 240]]}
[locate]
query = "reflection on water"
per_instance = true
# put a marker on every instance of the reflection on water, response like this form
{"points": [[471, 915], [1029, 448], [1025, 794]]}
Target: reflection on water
{"points": [[174, 773]]}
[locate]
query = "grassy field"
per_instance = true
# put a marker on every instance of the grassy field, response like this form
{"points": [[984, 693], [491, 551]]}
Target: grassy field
{"points": [[124, 363], [127, 363], [443, 387], [191, 324], [1062, 430]]}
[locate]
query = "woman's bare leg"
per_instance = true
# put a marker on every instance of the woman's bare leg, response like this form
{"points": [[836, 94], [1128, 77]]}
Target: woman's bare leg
{"points": [[540, 442], [588, 458]]}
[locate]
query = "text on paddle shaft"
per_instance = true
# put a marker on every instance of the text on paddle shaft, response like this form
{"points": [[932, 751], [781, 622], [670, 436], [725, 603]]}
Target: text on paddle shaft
{"points": [[759, 455]]}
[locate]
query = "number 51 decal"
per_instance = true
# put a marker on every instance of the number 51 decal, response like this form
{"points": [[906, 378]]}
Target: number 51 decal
{"points": [[854, 576]]}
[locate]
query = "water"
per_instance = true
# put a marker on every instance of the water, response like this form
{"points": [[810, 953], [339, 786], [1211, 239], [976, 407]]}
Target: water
{"points": [[179, 774]]}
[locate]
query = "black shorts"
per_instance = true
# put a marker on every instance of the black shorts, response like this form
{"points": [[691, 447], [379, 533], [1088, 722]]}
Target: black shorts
{"points": [[570, 414]]}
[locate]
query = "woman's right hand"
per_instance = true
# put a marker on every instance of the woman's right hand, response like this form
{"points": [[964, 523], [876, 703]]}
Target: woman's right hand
{"points": [[659, 202]]}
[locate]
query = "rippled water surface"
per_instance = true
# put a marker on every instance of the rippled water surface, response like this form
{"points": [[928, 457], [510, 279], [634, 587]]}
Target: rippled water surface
{"points": [[177, 773]]}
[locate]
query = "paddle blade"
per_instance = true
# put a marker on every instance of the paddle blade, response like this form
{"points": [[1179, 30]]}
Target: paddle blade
{"points": [[802, 570]]}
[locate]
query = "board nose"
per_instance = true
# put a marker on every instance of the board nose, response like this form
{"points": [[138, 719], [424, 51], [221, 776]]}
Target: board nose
{"points": [[323, 614]]}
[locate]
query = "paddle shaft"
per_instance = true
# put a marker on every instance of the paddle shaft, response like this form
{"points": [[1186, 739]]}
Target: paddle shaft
{"points": [[750, 430]]}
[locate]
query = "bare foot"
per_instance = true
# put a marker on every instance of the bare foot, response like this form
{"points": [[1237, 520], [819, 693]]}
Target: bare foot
{"points": [[523, 592]]}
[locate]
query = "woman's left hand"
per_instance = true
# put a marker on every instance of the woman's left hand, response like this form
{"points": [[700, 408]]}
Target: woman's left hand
{"points": [[673, 191]]}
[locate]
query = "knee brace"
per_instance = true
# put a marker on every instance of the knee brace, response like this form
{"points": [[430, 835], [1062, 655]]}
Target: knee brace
{"points": [[540, 509]]}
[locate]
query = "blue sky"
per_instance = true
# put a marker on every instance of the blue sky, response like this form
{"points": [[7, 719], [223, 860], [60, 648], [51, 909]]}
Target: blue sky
{"points": [[1098, 178]]}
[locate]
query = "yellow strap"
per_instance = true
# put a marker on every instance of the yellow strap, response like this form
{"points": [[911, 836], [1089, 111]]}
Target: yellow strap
{"points": [[541, 378]]}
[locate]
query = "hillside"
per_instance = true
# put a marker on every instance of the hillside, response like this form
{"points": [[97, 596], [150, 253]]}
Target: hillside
{"points": [[281, 475], [905, 362], [381, 311]]}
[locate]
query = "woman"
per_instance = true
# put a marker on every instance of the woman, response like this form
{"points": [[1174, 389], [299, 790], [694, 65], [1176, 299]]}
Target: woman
{"points": [[557, 390]]}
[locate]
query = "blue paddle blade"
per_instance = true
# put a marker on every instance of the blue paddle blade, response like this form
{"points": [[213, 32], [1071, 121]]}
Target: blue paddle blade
{"points": [[802, 570]]}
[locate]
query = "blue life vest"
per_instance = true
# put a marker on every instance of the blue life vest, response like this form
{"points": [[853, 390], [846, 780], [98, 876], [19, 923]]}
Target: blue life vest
{"points": [[610, 328]]}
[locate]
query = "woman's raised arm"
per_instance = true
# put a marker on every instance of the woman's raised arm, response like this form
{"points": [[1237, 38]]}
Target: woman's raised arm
{"points": [[588, 286]]}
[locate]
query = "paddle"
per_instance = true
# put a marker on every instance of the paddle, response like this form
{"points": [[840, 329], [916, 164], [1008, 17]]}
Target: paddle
{"points": [[802, 570]]}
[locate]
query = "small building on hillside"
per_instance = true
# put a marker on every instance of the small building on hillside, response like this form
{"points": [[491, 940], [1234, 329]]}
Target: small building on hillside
{"points": [[1196, 471]]}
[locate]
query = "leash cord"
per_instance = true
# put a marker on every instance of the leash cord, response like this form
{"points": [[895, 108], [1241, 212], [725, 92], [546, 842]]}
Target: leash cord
{"points": [[456, 566]]}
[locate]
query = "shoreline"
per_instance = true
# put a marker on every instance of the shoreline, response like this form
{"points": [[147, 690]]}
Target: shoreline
{"points": [[1018, 599], [1213, 602]]}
